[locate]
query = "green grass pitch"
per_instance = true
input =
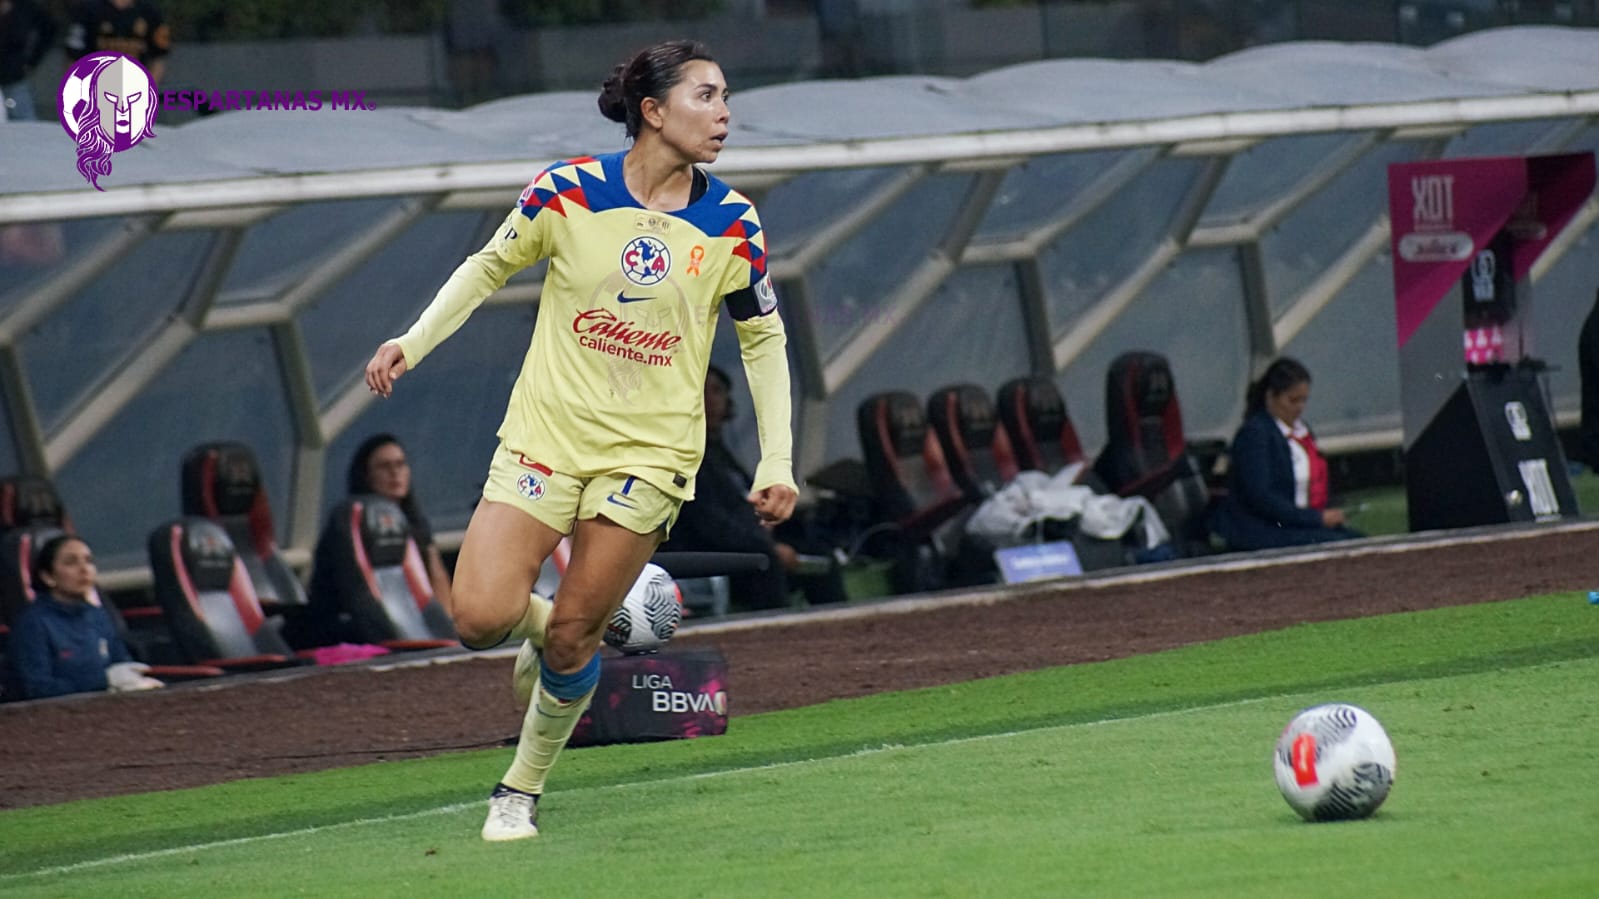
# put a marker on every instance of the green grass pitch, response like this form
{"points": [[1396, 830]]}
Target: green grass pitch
{"points": [[1148, 776]]}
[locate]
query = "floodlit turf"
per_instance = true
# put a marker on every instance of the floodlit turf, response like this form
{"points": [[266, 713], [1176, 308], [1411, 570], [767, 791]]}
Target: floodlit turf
{"points": [[1147, 776]]}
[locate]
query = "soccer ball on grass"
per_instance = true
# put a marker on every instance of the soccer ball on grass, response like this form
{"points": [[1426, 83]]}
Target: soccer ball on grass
{"points": [[1334, 763], [649, 614]]}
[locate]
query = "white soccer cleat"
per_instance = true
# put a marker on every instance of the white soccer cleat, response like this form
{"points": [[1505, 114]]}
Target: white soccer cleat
{"points": [[525, 676], [513, 815]]}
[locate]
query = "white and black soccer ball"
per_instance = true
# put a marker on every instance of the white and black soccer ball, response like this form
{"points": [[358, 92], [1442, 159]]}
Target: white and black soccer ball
{"points": [[649, 614], [1334, 762]]}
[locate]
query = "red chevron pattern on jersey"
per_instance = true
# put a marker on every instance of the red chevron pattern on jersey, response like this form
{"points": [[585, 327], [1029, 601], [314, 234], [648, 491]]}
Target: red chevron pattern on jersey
{"points": [[561, 185], [751, 242]]}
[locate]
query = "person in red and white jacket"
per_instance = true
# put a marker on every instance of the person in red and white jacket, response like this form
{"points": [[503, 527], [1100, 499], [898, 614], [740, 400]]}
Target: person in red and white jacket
{"points": [[1277, 481]]}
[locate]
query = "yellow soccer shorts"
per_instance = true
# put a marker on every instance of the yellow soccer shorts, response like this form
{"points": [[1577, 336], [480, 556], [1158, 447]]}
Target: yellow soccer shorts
{"points": [[558, 500]]}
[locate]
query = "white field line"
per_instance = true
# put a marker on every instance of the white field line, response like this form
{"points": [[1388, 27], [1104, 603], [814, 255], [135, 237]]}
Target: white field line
{"points": [[454, 808]]}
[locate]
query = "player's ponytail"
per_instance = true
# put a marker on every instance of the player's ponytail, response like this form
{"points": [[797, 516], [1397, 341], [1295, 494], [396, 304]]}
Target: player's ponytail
{"points": [[612, 103], [652, 72]]}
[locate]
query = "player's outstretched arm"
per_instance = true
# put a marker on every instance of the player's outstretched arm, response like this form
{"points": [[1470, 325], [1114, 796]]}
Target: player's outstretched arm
{"points": [[387, 364]]}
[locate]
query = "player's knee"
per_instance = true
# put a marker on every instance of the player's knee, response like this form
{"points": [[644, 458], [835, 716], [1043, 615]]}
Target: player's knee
{"points": [[570, 643], [479, 625]]}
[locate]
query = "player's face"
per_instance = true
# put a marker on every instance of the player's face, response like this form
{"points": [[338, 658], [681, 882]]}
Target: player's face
{"points": [[388, 472], [694, 117], [72, 573], [1288, 406]]}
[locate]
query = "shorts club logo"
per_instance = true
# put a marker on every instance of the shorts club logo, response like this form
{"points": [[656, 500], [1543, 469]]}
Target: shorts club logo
{"points": [[646, 261], [530, 485]]}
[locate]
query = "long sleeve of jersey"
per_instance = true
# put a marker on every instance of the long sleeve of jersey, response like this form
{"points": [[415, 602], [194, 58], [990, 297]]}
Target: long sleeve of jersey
{"points": [[481, 274], [763, 344]]}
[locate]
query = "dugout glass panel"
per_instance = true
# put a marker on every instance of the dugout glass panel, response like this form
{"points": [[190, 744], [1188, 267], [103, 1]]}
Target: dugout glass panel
{"points": [[1561, 301], [1094, 256], [278, 252], [1357, 324], [382, 297], [1035, 193], [1319, 230], [969, 331], [125, 480], [853, 284], [108, 321], [35, 253], [795, 210], [445, 414], [1504, 138], [1191, 315], [1259, 175]]}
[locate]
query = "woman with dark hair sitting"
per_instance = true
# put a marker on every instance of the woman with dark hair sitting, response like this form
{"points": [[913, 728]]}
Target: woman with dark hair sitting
{"points": [[63, 642], [1277, 482], [380, 466]]}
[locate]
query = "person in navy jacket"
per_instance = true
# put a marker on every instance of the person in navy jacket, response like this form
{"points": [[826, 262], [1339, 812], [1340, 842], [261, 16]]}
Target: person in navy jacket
{"points": [[1277, 481], [62, 641]]}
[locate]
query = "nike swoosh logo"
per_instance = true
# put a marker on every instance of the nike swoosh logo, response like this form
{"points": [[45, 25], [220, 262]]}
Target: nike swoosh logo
{"points": [[624, 505], [624, 298]]}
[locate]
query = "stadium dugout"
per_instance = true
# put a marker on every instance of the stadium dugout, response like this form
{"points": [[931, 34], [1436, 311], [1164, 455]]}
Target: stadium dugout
{"points": [[233, 277]]}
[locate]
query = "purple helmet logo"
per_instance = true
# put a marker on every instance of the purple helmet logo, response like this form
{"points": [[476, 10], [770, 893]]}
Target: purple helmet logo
{"points": [[108, 104]]}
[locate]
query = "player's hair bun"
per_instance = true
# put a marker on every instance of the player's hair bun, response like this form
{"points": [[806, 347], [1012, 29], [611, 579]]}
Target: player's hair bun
{"points": [[613, 105]]}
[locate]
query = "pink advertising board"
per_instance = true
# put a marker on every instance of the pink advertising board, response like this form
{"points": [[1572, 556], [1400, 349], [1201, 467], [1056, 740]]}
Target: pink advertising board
{"points": [[1442, 212]]}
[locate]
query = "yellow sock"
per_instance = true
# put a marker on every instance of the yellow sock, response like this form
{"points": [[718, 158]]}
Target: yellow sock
{"points": [[545, 729], [534, 621]]}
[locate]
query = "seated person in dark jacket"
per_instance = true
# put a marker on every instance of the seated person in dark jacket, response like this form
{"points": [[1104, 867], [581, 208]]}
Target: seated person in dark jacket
{"points": [[378, 467], [1277, 480], [721, 519], [62, 641]]}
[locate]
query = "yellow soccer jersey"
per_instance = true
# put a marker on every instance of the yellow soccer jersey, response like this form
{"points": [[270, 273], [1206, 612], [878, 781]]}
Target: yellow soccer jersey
{"points": [[614, 379]]}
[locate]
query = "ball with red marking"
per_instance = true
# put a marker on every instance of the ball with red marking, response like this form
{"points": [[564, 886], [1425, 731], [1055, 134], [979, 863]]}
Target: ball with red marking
{"points": [[1334, 762]]}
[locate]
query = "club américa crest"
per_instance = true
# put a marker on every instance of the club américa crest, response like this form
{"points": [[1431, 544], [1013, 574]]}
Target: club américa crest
{"points": [[530, 485]]}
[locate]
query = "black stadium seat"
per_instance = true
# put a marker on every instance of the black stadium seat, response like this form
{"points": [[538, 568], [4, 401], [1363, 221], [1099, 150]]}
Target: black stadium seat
{"points": [[978, 451], [19, 548], [222, 482], [1033, 414], [210, 603], [1146, 453], [906, 464], [370, 584], [31, 500], [914, 490]]}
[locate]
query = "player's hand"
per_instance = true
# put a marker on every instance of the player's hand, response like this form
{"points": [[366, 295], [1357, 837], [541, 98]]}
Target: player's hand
{"points": [[1332, 518], [774, 504], [387, 364]]}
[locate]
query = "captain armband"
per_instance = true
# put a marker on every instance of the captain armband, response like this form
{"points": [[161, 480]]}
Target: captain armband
{"points": [[759, 298]]}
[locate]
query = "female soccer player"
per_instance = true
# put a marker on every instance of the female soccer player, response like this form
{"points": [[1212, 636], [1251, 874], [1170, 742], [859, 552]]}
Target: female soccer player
{"points": [[605, 428]]}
